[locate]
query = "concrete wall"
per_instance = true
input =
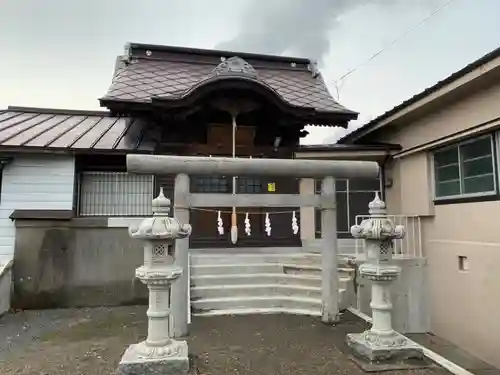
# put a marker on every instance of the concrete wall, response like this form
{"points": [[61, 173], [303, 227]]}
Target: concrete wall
{"points": [[84, 262], [5, 287], [80, 262], [346, 246], [463, 304], [33, 182], [410, 296]]}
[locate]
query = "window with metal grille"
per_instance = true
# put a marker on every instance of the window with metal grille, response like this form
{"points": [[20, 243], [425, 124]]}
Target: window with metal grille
{"points": [[209, 184], [115, 194], [352, 198], [249, 185]]}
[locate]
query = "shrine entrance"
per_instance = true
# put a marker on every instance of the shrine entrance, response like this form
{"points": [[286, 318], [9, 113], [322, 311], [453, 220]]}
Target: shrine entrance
{"points": [[212, 225], [185, 202], [206, 233]]}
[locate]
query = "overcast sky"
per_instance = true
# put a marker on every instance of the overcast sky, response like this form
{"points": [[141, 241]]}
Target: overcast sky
{"points": [[60, 53]]}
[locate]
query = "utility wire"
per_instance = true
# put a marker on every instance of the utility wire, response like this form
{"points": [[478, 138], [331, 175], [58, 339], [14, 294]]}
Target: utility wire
{"points": [[394, 41]]}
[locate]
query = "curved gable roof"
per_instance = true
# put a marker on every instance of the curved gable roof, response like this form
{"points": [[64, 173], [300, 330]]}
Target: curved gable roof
{"points": [[150, 73]]}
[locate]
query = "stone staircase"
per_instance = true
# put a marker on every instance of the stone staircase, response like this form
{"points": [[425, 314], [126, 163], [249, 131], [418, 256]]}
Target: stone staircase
{"points": [[248, 283]]}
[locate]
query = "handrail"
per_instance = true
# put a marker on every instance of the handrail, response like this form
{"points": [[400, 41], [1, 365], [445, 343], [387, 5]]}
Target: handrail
{"points": [[411, 244], [189, 289]]}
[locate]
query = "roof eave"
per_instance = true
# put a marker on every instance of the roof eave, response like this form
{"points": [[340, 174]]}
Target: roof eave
{"points": [[69, 151], [368, 127], [57, 111], [310, 115], [349, 147]]}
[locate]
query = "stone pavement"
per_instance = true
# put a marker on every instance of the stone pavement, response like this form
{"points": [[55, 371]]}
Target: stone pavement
{"points": [[91, 342]]}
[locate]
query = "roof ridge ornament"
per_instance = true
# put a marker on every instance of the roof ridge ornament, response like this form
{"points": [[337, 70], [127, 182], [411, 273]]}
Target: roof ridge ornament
{"points": [[127, 53], [235, 66], [313, 68]]}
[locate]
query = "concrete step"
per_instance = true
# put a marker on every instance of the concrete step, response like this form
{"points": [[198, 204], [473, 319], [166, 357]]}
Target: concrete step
{"points": [[258, 278], [248, 250], [302, 259], [295, 269], [268, 310], [262, 278], [254, 290], [223, 269], [302, 269], [256, 303], [261, 302], [254, 258], [314, 270]]}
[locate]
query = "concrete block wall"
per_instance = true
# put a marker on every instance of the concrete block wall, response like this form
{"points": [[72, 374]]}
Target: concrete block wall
{"points": [[409, 296]]}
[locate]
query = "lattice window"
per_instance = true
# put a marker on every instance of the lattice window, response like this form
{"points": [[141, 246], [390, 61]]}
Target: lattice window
{"points": [[115, 194], [385, 247], [159, 251]]}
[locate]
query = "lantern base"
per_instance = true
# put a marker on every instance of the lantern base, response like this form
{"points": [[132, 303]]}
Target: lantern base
{"points": [[134, 362], [376, 353]]}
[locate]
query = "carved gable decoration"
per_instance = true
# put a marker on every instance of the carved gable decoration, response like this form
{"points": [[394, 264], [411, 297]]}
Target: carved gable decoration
{"points": [[235, 66]]}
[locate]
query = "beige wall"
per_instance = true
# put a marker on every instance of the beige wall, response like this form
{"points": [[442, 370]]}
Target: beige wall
{"points": [[464, 305], [482, 106]]}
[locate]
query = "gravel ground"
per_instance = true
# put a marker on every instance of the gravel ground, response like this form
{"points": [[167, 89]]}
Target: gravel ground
{"points": [[91, 342]]}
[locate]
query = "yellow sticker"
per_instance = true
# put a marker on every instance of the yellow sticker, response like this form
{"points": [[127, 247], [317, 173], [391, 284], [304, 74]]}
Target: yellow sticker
{"points": [[271, 186]]}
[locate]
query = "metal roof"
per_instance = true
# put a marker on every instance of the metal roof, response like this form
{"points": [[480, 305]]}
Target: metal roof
{"points": [[149, 72], [366, 128], [37, 128], [349, 147]]}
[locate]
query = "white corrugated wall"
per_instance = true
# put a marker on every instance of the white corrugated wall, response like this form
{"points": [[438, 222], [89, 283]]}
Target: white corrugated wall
{"points": [[33, 182]]}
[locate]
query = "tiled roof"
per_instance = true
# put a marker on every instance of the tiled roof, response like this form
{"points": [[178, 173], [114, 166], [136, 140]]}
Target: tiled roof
{"points": [[37, 128], [139, 78]]}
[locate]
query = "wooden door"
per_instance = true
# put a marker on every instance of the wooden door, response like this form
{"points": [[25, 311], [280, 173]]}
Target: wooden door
{"points": [[281, 220], [204, 220], [250, 185]]}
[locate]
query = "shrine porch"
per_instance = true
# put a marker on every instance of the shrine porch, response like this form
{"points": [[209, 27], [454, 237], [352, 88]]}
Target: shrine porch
{"points": [[91, 341]]}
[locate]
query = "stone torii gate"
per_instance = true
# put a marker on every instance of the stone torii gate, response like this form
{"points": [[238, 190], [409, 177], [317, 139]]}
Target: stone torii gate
{"points": [[183, 166]]}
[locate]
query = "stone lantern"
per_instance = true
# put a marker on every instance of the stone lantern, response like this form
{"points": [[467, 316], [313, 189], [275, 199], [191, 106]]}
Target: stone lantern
{"points": [[158, 353], [380, 343]]}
